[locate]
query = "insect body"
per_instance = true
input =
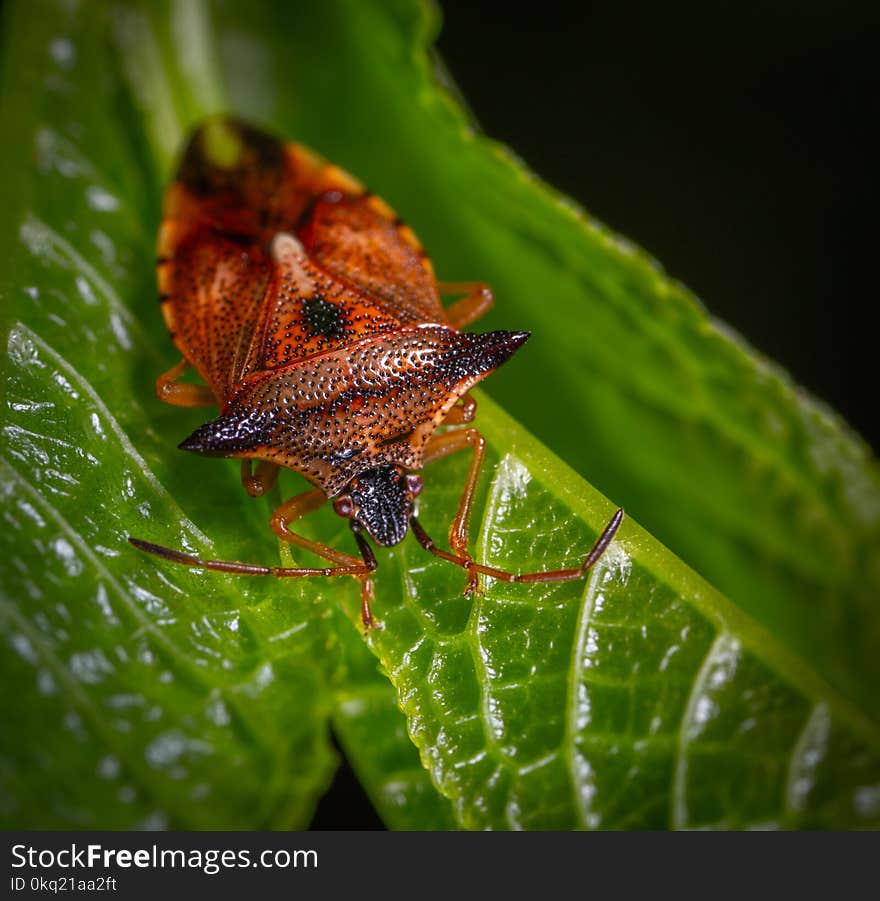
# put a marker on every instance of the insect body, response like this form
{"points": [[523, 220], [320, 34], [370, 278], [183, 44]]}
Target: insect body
{"points": [[313, 316]]}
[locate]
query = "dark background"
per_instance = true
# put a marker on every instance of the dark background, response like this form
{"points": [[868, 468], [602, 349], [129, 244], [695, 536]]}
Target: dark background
{"points": [[732, 141]]}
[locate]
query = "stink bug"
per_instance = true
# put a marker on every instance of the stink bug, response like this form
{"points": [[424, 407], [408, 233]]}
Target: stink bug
{"points": [[313, 316]]}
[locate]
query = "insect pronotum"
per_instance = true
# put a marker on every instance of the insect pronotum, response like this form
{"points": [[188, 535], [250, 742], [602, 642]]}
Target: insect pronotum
{"points": [[313, 316]]}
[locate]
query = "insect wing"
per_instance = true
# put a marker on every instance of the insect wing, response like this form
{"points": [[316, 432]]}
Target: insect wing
{"points": [[233, 303], [362, 242], [212, 301]]}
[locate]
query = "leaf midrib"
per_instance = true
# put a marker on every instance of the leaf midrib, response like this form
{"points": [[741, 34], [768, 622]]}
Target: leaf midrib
{"points": [[702, 597]]}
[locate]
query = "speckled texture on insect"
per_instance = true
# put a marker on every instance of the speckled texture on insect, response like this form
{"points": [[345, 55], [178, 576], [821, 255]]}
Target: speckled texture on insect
{"points": [[313, 316]]}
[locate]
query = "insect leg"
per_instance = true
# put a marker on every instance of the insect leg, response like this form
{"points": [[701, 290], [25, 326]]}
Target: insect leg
{"points": [[477, 302], [462, 413], [295, 508], [258, 483], [553, 575], [183, 394], [441, 446]]}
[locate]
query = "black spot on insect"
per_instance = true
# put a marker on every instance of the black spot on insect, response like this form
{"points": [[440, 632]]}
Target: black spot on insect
{"points": [[161, 261], [322, 317], [164, 297], [396, 439]]}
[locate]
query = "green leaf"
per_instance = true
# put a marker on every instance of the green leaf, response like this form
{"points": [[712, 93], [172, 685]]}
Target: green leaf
{"points": [[138, 693], [132, 696], [136, 696], [641, 699], [373, 734], [713, 449]]}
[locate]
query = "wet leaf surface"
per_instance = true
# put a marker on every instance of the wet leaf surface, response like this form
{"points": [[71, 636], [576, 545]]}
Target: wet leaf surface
{"points": [[137, 693]]}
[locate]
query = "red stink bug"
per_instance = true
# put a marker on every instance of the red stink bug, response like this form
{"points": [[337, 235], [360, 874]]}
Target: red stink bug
{"points": [[313, 316]]}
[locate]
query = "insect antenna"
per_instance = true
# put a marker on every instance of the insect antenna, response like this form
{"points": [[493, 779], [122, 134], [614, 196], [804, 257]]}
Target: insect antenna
{"points": [[250, 569], [361, 571]]}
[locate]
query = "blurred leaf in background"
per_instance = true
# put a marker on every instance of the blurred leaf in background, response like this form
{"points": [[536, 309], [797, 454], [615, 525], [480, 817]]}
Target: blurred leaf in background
{"points": [[140, 694]]}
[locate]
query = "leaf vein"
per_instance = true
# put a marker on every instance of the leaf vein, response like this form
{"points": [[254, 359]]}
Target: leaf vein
{"points": [[575, 679], [723, 644]]}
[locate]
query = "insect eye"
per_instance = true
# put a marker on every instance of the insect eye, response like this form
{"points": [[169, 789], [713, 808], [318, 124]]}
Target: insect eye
{"points": [[343, 506], [414, 485]]}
